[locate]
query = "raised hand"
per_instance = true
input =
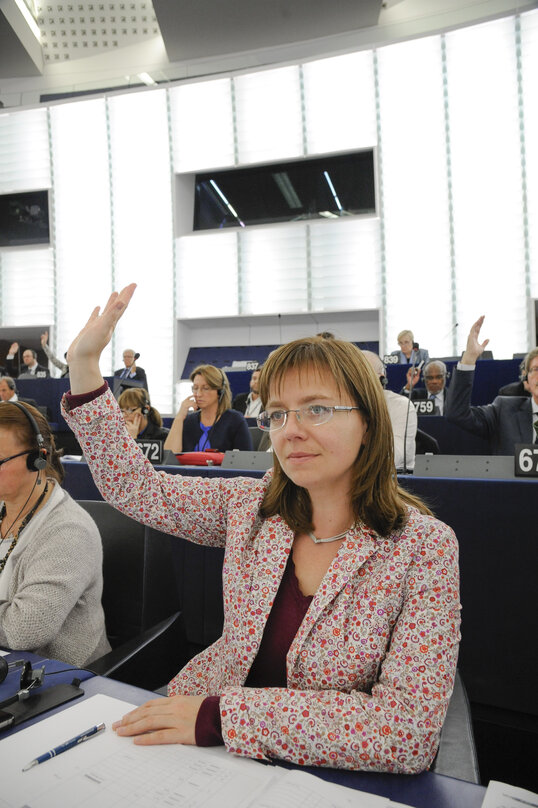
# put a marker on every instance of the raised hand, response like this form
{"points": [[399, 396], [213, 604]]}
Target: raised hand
{"points": [[44, 338], [474, 347], [413, 376], [14, 348], [85, 350]]}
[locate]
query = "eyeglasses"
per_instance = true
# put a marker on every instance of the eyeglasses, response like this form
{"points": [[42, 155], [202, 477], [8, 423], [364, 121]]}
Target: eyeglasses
{"points": [[313, 415], [20, 454], [129, 410], [532, 370]]}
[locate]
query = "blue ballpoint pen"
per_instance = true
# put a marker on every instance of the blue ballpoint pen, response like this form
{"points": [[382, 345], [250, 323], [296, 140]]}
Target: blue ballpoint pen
{"points": [[63, 747]]}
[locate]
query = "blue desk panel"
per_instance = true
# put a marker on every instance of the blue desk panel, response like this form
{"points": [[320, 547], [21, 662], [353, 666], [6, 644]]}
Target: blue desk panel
{"points": [[490, 375], [48, 393]]}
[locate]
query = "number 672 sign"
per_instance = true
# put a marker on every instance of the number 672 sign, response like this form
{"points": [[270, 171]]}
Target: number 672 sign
{"points": [[526, 460]]}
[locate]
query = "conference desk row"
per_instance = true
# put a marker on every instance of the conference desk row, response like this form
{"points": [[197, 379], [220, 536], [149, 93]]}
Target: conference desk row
{"points": [[421, 791], [495, 523], [490, 375]]}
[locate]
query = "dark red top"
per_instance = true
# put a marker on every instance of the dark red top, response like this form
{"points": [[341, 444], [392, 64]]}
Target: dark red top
{"points": [[269, 667]]}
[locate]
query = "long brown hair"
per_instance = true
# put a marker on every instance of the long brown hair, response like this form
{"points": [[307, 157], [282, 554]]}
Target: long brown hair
{"points": [[12, 419], [376, 498], [217, 379]]}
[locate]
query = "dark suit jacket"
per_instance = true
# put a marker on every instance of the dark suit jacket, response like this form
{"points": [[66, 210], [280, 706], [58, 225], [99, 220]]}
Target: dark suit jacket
{"points": [[240, 402], [140, 376], [40, 371], [505, 422]]}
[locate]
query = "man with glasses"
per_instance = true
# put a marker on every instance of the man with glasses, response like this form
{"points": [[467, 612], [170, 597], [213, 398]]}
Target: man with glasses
{"points": [[509, 419], [435, 374], [131, 372]]}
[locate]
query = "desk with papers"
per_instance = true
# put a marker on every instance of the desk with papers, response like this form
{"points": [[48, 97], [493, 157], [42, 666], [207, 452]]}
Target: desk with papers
{"points": [[111, 771]]}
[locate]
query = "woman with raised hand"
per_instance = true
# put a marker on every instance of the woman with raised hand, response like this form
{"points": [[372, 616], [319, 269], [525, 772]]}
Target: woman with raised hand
{"points": [[341, 604]]}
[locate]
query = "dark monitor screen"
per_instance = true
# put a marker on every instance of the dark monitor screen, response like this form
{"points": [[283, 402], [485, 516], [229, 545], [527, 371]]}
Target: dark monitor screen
{"points": [[325, 187], [24, 218]]}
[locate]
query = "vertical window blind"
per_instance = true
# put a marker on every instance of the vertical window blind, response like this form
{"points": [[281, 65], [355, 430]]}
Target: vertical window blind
{"points": [[486, 178]]}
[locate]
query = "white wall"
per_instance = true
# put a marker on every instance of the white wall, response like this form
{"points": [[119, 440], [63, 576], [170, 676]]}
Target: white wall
{"points": [[454, 120]]}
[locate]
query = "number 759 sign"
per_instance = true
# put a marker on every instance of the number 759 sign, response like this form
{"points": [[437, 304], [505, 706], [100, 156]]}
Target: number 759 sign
{"points": [[526, 460]]}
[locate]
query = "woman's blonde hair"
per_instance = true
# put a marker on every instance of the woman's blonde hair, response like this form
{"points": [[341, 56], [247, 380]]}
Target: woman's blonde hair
{"points": [[376, 498], [405, 334], [138, 397], [12, 419], [217, 380]]}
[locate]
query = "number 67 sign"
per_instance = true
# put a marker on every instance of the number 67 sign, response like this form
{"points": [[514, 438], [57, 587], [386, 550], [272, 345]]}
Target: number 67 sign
{"points": [[526, 460]]}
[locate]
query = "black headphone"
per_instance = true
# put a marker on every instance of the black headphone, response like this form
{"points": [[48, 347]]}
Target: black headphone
{"points": [[222, 390], [146, 407], [28, 675], [37, 458]]}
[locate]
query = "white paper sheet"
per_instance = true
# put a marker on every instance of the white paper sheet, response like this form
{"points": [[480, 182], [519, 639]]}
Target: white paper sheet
{"points": [[501, 795], [111, 772]]}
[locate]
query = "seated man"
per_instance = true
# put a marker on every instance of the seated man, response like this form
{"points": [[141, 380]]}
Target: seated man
{"points": [[8, 391], [435, 385], [403, 418], [131, 372], [31, 369], [509, 419], [250, 404]]}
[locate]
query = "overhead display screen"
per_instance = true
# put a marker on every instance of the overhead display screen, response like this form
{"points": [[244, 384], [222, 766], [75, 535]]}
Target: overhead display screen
{"points": [[326, 187]]}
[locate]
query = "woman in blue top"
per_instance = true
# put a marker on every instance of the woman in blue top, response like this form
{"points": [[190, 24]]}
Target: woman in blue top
{"points": [[212, 425]]}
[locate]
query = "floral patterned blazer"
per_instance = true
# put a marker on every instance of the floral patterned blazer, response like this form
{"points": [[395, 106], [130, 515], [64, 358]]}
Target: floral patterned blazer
{"points": [[371, 669]]}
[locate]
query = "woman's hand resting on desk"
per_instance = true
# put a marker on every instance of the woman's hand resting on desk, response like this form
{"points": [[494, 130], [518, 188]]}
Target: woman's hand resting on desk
{"points": [[85, 350], [169, 720]]}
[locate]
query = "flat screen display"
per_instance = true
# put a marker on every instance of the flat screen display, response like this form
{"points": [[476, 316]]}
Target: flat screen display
{"points": [[326, 187], [24, 218]]}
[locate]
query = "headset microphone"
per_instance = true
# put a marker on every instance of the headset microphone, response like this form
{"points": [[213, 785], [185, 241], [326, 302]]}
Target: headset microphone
{"points": [[223, 388], [36, 460]]}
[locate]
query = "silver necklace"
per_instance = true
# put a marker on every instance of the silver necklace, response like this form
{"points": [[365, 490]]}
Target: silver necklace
{"points": [[332, 538]]}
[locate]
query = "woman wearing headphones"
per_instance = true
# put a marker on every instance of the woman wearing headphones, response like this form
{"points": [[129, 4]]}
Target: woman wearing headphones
{"points": [[212, 425], [50, 549], [143, 422]]}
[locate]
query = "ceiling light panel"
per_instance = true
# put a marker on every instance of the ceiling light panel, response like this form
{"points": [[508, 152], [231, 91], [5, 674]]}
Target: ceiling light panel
{"points": [[78, 30]]}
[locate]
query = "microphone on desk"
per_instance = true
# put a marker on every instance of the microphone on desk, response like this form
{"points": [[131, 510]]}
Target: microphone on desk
{"points": [[30, 680], [136, 356]]}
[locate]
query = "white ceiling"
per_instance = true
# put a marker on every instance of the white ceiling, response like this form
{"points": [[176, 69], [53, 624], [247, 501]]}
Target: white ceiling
{"points": [[84, 46]]}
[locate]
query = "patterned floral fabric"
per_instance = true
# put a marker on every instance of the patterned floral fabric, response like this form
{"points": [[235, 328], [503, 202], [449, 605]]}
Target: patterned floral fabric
{"points": [[371, 669]]}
